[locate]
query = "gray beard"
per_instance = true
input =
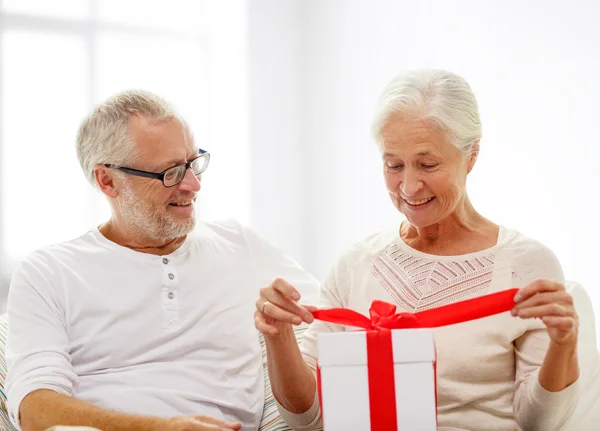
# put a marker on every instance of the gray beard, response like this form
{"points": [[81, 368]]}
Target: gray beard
{"points": [[151, 222]]}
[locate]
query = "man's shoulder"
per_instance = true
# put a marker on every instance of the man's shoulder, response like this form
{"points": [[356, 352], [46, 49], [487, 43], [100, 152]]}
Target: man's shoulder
{"points": [[228, 227], [231, 231], [226, 230], [63, 250], [48, 261]]}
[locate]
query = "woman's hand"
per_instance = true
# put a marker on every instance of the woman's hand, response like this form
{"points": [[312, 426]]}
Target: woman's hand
{"points": [[549, 301], [277, 308]]}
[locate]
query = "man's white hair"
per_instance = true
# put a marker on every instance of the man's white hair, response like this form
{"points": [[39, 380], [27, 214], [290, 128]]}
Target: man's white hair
{"points": [[442, 98], [103, 136]]}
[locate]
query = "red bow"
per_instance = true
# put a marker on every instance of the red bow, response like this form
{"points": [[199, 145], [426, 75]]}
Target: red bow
{"points": [[380, 359]]}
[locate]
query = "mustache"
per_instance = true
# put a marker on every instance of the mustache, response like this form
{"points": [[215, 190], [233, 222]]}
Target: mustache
{"points": [[182, 198]]}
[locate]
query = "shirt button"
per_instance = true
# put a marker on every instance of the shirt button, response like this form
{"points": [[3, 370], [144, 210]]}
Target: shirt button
{"points": [[165, 260], [171, 295], [171, 276]]}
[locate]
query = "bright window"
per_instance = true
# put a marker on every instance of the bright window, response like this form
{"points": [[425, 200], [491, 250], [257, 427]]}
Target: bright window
{"points": [[59, 58]]}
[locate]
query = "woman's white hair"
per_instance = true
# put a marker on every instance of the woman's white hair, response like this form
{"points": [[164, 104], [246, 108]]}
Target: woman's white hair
{"points": [[442, 98], [103, 136]]}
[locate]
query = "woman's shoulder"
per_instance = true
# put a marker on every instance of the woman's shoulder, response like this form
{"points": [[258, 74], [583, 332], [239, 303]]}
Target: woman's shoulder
{"points": [[530, 258], [520, 244], [368, 247]]}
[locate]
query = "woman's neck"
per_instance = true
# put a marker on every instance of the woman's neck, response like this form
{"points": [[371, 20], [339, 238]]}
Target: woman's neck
{"points": [[464, 231]]}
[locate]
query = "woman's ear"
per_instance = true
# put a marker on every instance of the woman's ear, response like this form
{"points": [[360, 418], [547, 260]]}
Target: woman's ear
{"points": [[473, 156]]}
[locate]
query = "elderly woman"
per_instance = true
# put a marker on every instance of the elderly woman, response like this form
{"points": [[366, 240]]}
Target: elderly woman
{"points": [[504, 372]]}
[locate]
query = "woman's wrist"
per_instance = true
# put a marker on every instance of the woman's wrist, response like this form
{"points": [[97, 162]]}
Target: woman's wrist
{"points": [[560, 368]]}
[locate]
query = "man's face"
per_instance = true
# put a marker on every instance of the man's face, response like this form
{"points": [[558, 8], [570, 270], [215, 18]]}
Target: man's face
{"points": [[159, 212]]}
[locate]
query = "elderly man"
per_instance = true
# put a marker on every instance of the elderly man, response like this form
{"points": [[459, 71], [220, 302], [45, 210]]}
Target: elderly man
{"points": [[145, 322]]}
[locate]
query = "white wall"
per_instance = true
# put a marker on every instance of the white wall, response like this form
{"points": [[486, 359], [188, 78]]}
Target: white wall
{"points": [[533, 66], [224, 130], [277, 166], [293, 86], [192, 52]]}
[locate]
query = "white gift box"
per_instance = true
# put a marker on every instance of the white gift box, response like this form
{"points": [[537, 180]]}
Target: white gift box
{"points": [[345, 398]]}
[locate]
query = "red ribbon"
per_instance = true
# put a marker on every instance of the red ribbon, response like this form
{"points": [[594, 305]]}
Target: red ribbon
{"points": [[382, 393]]}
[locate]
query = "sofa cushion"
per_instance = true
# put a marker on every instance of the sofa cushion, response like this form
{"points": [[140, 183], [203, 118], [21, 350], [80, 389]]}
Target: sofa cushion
{"points": [[5, 423]]}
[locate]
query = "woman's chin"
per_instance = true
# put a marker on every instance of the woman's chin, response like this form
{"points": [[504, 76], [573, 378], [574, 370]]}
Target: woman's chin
{"points": [[418, 222], [417, 217]]}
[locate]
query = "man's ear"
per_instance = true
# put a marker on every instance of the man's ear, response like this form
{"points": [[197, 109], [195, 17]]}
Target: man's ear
{"points": [[473, 156], [105, 180]]}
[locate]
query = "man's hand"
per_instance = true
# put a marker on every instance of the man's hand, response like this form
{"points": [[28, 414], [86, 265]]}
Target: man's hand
{"points": [[201, 423], [44, 408]]}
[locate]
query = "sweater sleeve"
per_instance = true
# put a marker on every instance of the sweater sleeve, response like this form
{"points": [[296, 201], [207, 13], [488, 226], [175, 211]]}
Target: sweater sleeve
{"points": [[534, 407], [587, 412], [329, 296]]}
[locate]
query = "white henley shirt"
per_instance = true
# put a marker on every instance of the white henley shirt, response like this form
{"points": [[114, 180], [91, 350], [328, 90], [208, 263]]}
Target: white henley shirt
{"points": [[144, 334]]}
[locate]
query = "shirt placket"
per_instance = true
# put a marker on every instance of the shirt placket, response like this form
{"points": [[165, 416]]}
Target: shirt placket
{"points": [[170, 299]]}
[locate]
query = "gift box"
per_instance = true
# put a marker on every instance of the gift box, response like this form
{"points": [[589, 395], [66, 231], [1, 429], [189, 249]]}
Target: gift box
{"points": [[345, 393], [383, 378]]}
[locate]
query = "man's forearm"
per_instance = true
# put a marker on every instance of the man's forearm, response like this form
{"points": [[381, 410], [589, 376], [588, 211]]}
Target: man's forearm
{"points": [[43, 409], [292, 381]]}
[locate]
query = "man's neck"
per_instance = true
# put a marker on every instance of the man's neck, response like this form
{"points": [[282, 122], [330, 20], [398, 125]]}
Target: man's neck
{"points": [[138, 242]]}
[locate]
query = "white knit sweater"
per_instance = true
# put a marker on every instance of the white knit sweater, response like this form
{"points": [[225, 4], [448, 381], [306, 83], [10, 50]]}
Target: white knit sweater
{"points": [[487, 370]]}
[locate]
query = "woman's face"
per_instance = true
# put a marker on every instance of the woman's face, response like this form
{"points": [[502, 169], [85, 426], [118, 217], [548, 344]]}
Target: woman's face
{"points": [[424, 173]]}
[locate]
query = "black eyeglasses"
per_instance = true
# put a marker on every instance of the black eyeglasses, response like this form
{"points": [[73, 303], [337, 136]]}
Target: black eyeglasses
{"points": [[172, 176]]}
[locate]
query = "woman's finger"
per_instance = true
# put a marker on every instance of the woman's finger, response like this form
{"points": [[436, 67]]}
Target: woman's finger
{"points": [[562, 323], [537, 286], [261, 324], [273, 296], [554, 297], [275, 312], [542, 311], [286, 289]]}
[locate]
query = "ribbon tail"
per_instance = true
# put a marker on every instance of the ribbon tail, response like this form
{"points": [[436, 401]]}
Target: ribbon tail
{"points": [[470, 309], [319, 393], [382, 388], [343, 316]]}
